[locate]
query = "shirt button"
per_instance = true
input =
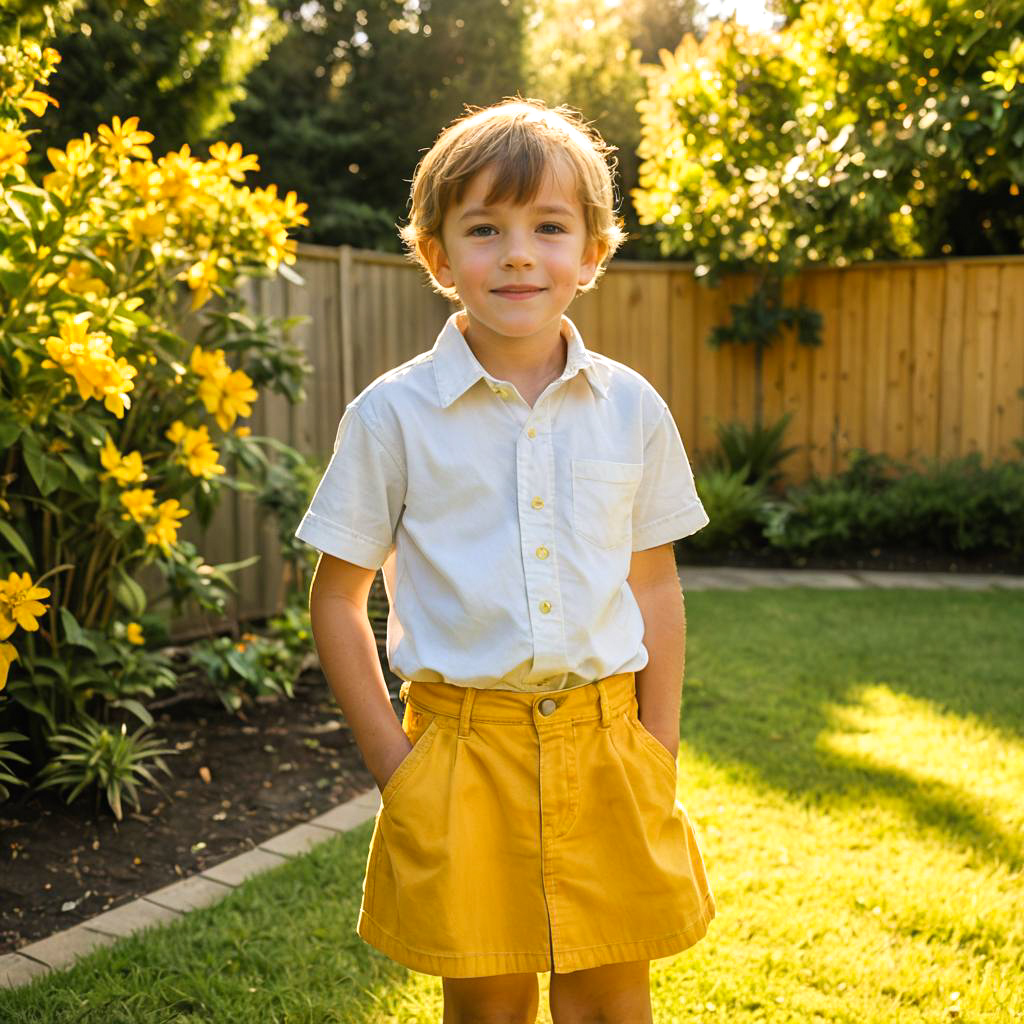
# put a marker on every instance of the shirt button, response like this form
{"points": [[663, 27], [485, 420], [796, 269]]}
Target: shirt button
{"points": [[545, 606], [531, 432], [542, 552], [537, 502]]}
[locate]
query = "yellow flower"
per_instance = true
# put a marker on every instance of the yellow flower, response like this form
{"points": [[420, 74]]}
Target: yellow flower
{"points": [[79, 279], [19, 604], [202, 277], [87, 357], [125, 469], [226, 393], [133, 633], [14, 148], [230, 162], [36, 102], [199, 453], [243, 431], [7, 655], [124, 140], [139, 503], [165, 530]]}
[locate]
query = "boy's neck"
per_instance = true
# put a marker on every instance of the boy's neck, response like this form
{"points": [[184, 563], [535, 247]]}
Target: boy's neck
{"points": [[537, 358]]}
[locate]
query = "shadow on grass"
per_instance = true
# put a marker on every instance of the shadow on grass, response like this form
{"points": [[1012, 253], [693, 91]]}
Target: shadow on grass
{"points": [[767, 670]]}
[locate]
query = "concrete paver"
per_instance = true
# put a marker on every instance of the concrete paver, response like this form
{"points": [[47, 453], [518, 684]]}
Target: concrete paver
{"points": [[236, 870], [189, 894], [346, 816], [16, 970], [130, 918], [64, 947], [929, 580], [297, 840]]}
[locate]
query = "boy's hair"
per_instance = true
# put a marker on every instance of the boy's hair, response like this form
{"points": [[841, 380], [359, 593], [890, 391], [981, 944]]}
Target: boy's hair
{"points": [[520, 138]]}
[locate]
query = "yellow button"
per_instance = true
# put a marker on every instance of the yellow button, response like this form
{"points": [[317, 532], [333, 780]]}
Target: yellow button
{"points": [[537, 502], [542, 552], [545, 606], [531, 432]]}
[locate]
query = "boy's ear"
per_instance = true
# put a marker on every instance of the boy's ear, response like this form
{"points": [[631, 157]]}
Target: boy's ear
{"points": [[593, 253], [434, 254]]}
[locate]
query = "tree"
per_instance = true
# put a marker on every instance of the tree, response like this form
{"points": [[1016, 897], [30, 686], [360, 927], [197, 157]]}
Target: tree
{"points": [[855, 133], [350, 99], [177, 65]]}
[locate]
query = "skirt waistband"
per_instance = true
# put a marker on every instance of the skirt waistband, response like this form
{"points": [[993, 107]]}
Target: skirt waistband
{"points": [[603, 698]]}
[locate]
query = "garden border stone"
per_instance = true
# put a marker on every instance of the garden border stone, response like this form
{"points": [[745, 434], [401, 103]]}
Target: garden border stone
{"points": [[212, 884]]}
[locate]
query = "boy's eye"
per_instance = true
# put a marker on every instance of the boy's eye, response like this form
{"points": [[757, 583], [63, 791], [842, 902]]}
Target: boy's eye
{"points": [[488, 227]]}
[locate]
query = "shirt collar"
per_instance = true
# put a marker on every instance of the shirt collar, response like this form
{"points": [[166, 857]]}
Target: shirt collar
{"points": [[457, 369]]}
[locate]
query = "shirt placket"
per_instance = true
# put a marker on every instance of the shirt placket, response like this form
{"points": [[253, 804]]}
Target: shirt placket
{"points": [[535, 503]]}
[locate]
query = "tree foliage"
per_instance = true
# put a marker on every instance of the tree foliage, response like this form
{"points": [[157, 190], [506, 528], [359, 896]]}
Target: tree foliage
{"points": [[864, 129], [177, 65]]}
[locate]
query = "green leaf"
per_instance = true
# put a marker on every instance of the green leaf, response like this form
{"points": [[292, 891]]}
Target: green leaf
{"points": [[16, 542], [135, 707], [74, 633], [129, 594], [47, 472], [82, 470]]}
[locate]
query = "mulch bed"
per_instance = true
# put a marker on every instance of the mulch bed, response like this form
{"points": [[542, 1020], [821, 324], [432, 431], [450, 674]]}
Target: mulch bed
{"points": [[276, 764]]}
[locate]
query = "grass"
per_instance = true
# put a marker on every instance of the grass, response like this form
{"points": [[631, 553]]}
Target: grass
{"points": [[854, 764]]}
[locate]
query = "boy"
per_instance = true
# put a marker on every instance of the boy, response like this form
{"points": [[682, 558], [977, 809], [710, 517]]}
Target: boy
{"points": [[521, 494]]}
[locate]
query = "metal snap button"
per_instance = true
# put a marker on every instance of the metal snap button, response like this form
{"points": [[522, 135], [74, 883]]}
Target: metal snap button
{"points": [[546, 706]]}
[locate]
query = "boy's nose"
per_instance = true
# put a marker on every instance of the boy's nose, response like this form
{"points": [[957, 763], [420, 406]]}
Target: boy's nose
{"points": [[517, 253]]}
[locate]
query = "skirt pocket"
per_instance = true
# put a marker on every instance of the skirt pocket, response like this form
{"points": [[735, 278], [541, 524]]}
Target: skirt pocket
{"points": [[420, 727], [652, 743]]}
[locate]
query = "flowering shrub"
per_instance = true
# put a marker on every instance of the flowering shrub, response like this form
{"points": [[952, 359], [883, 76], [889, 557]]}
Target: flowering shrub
{"points": [[114, 427]]}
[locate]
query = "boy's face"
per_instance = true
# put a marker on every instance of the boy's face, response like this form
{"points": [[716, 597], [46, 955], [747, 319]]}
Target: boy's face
{"points": [[542, 247]]}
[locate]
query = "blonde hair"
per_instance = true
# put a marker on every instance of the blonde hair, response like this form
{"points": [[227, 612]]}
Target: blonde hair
{"points": [[520, 139]]}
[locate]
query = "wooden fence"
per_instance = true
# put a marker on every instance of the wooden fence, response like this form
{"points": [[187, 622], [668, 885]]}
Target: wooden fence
{"points": [[918, 359]]}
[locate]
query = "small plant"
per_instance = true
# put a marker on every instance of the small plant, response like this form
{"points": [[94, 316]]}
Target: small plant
{"points": [[114, 761], [255, 664], [9, 755], [732, 505], [757, 450]]}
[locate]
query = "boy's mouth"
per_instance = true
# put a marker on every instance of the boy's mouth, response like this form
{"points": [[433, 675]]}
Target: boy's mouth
{"points": [[518, 291]]}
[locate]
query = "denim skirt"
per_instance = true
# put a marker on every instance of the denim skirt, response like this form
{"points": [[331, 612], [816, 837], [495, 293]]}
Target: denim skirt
{"points": [[529, 832]]}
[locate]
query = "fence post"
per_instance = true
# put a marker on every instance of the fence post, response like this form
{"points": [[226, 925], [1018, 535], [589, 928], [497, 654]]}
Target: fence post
{"points": [[345, 296]]}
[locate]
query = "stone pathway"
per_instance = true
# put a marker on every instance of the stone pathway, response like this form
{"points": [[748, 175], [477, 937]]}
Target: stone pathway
{"points": [[699, 577], [209, 886]]}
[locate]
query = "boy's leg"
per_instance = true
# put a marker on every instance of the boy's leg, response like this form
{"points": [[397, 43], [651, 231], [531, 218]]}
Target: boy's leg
{"points": [[496, 999], [611, 994]]}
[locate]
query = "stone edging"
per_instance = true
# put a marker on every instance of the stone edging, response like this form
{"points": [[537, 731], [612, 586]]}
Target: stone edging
{"points": [[173, 901]]}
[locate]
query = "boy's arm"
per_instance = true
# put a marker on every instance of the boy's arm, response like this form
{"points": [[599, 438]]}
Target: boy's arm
{"points": [[348, 654], [654, 580]]}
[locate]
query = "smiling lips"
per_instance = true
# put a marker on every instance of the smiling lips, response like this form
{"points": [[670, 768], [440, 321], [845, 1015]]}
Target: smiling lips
{"points": [[518, 291]]}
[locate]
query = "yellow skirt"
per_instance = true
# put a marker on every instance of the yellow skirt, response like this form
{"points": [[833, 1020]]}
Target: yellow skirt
{"points": [[531, 832]]}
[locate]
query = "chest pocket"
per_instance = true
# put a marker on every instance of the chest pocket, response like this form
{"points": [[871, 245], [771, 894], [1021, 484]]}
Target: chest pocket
{"points": [[602, 500]]}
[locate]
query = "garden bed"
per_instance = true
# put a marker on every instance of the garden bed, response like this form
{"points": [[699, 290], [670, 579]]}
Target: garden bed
{"points": [[283, 763]]}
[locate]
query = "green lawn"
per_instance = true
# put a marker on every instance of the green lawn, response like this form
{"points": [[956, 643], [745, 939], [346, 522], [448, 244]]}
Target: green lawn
{"points": [[854, 764]]}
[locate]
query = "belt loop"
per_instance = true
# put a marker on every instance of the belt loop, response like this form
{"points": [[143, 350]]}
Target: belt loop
{"points": [[467, 707], [403, 691], [606, 714]]}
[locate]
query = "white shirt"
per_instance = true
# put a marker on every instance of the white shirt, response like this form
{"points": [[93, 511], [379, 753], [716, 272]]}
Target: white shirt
{"points": [[505, 531]]}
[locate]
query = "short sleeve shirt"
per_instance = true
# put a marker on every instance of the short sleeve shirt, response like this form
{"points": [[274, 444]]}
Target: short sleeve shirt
{"points": [[505, 532]]}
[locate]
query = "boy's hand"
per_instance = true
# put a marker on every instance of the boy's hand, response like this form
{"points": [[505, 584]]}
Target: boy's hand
{"points": [[389, 761], [665, 735]]}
